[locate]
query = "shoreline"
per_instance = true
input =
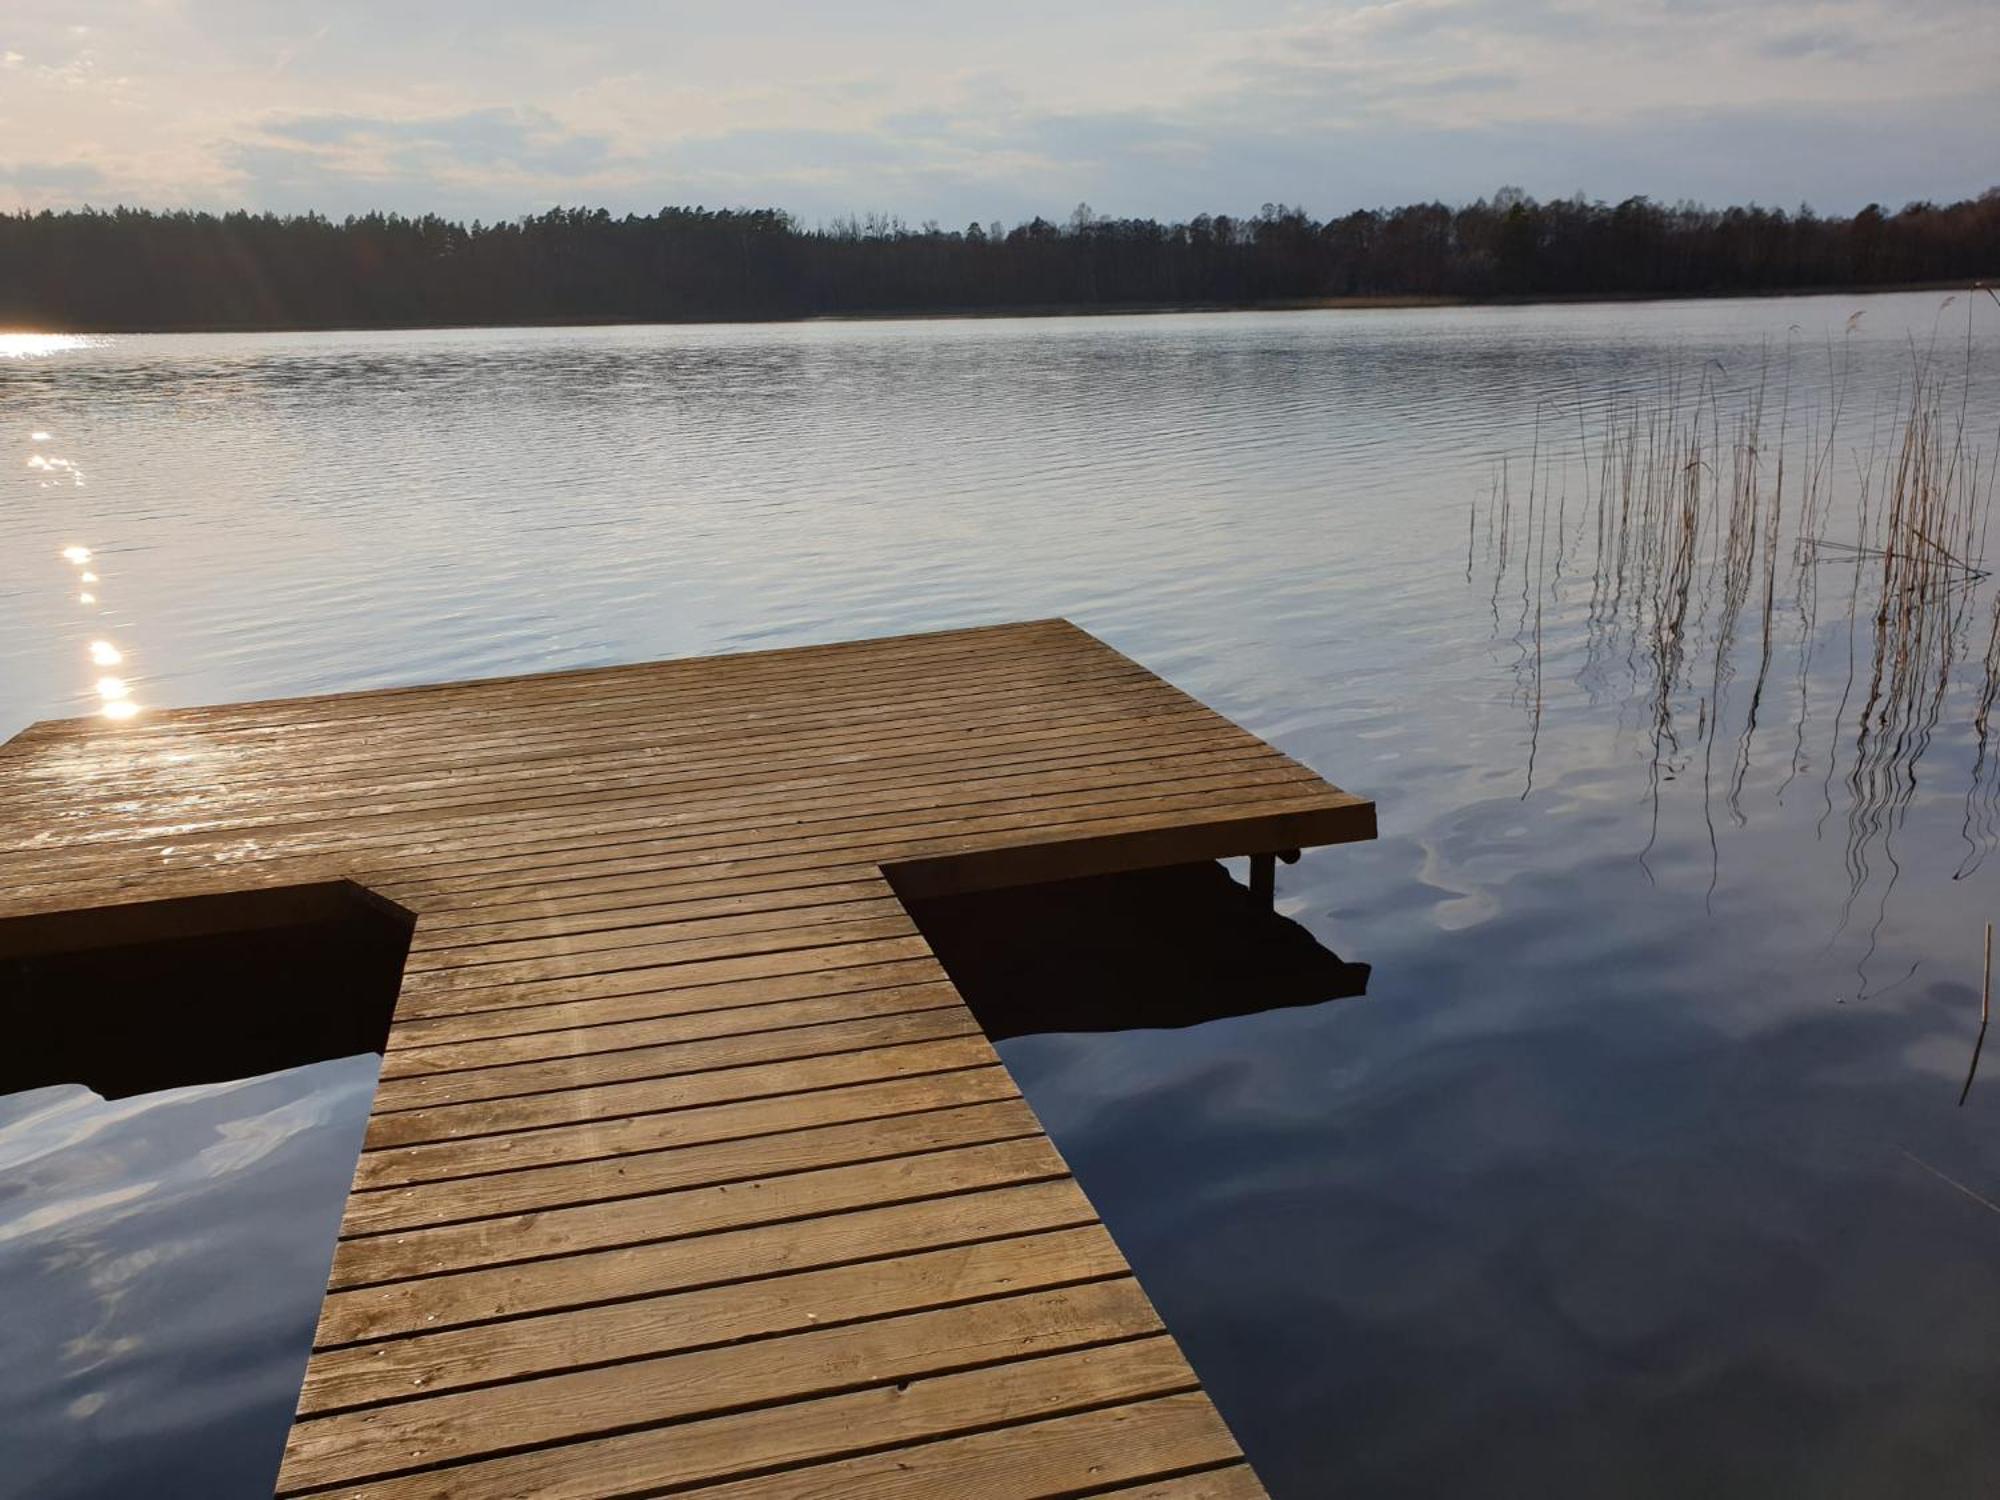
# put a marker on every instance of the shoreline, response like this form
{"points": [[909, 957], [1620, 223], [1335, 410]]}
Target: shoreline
{"points": [[1388, 302]]}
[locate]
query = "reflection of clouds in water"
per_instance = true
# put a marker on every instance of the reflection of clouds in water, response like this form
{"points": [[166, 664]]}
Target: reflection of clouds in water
{"points": [[85, 1406], [1589, 1213], [40, 1121], [111, 1278], [1460, 902], [85, 1208], [142, 1238], [1940, 1053], [255, 1137]]}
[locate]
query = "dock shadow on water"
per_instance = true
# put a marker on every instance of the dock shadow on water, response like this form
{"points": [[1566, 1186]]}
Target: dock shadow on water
{"points": [[182, 1100], [1154, 948]]}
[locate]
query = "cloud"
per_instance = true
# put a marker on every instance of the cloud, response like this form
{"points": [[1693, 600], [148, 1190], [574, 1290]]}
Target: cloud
{"points": [[521, 139], [68, 177], [1808, 42], [502, 108], [490, 162]]}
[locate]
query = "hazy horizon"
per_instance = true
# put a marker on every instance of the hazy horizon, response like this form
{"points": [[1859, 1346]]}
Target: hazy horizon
{"points": [[1163, 109]]}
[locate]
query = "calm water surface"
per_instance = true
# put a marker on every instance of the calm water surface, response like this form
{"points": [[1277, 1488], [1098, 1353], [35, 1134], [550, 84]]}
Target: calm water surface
{"points": [[1640, 1168]]}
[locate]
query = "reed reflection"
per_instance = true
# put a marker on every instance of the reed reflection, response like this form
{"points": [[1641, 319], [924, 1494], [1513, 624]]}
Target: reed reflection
{"points": [[1739, 549]]}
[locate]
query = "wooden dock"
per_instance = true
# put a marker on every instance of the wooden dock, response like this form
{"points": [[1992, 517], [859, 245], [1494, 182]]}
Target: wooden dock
{"points": [[688, 1169]]}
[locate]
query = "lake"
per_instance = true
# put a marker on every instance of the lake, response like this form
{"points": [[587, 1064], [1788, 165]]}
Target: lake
{"points": [[1639, 1169]]}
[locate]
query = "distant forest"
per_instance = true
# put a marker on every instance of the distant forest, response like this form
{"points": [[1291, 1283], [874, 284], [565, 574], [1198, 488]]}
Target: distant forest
{"points": [[137, 269]]}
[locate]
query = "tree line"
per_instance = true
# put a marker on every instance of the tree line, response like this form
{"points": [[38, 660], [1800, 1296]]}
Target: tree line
{"points": [[129, 269]]}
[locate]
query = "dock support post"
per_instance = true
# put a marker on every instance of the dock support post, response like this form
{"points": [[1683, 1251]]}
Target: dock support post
{"points": [[1264, 876], [1264, 880]]}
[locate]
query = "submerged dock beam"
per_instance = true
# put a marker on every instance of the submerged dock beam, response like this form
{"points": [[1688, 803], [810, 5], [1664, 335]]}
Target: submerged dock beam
{"points": [[689, 1169]]}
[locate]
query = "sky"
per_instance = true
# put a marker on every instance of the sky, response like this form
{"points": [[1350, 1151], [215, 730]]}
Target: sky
{"points": [[954, 112]]}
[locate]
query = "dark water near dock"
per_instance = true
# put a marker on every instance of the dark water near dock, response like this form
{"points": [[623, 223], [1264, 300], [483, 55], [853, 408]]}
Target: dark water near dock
{"points": [[160, 1262], [1639, 1169]]}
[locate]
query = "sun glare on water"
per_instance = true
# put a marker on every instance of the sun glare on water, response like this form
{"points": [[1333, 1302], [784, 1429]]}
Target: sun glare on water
{"points": [[114, 693], [41, 345]]}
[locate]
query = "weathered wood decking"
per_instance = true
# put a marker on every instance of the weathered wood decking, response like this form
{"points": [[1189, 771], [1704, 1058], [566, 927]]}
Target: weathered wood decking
{"points": [[688, 1168]]}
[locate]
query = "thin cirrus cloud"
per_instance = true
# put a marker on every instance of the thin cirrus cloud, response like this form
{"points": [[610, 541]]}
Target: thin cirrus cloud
{"points": [[1165, 107], [316, 160], [494, 140]]}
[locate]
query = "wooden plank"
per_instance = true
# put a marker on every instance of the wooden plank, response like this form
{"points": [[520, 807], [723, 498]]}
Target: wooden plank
{"points": [[1174, 808], [502, 960], [919, 1410], [445, 1161], [1100, 1448], [785, 670], [515, 943], [688, 1169], [470, 839], [1105, 846], [553, 1233], [590, 1068], [432, 758], [880, 723], [807, 958], [473, 981], [871, 753], [679, 1026], [351, 1446], [416, 1032], [656, 812], [437, 852], [504, 937], [488, 1353], [481, 921], [944, 802], [1235, 1482], [740, 1255], [453, 1122], [736, 1159], [557, 870]]}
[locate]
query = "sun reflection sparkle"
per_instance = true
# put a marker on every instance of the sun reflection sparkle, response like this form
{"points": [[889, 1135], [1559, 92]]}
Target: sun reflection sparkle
{"points": [[40, 345]]}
